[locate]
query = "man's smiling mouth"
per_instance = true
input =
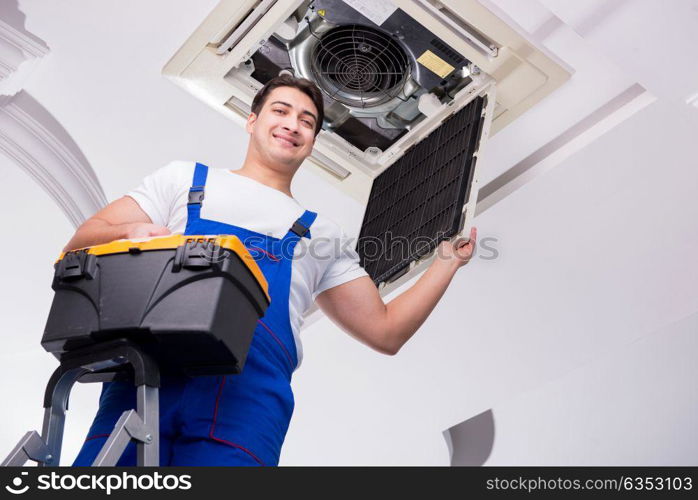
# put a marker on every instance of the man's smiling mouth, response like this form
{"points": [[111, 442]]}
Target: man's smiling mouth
{"points": [[285, 141]]}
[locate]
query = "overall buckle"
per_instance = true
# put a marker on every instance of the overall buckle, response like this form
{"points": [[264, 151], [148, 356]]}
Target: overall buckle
{"points": [[299, 229], [196, 195]]}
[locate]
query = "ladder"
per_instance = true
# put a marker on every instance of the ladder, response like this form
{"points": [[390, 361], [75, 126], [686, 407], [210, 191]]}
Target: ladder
{"points": [[117, 359]]}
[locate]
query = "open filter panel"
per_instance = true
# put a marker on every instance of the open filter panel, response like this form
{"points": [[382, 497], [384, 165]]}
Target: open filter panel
{"points": [[418, 201]]}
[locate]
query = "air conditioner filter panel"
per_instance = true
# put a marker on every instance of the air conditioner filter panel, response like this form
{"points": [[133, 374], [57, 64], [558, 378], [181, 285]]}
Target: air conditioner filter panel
{"points": [[418, 201]]}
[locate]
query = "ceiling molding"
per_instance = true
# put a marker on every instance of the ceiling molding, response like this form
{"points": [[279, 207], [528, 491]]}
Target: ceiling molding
{"points": [[16, 47], [38, 144], [575, 138]]}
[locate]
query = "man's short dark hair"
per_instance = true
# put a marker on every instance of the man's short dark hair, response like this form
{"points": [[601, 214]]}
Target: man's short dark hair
{"points": [[302, 84]]}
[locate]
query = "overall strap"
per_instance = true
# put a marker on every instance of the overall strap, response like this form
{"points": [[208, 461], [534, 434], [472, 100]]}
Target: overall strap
{"points": [[302, 225], [196, 191]]}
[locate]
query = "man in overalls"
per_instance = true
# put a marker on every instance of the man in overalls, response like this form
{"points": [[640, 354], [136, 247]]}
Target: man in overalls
{"points": [[243, 419]]}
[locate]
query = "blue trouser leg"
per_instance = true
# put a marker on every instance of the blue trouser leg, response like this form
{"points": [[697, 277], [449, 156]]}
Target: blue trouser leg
{"points": [[207, 452], [175, 449], [91, 448], [117, 397]]}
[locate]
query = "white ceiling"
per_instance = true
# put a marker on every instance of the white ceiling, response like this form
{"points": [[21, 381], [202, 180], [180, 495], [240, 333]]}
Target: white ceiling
{"points": [[593, 255]]}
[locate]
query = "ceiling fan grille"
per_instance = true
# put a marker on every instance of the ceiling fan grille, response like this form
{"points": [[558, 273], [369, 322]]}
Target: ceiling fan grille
{"points": [[359, 66]]}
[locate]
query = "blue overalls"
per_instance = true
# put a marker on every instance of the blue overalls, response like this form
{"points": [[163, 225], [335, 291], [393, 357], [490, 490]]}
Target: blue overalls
{"points": [[223, 420]]}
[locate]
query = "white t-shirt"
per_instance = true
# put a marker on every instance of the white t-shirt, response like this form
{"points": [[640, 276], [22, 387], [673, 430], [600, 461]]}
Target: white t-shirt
{"points": [[241, 201]]}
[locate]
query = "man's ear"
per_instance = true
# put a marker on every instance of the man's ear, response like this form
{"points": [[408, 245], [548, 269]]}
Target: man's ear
{"points": [[251, 119]]}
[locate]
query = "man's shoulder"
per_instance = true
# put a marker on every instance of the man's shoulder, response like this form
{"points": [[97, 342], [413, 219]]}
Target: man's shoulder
{"points": [[178, 167], [176, 170], [326, 226]]}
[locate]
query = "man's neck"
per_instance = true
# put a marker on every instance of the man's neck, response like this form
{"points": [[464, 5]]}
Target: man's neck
{"points": [[266, 176]]}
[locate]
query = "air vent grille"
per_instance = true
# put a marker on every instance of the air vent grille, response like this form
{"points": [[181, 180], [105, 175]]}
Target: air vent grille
{"points": [[359, 66], [418, 201]]}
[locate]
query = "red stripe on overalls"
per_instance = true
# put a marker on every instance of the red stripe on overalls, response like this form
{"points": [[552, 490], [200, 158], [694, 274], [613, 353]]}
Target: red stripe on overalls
{"points": [[271, 256], [278, 341], [96, 436], [224, 441]]}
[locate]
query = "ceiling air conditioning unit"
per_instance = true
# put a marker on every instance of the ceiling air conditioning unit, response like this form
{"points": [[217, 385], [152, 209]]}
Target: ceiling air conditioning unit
{"points": [[412, 90]]}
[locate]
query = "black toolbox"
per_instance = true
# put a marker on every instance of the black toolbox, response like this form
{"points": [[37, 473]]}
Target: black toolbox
{"points": [[192, 302]]}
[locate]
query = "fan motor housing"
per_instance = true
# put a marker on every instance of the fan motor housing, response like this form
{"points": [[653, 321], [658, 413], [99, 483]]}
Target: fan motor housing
{"points": [[369, 73], [407, 33], [359, 66]]}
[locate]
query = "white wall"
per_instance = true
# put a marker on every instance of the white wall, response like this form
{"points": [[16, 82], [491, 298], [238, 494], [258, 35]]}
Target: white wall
{"points": [[635, 405], [34, 232]]}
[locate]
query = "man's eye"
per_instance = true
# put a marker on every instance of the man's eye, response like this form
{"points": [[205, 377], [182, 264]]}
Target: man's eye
{"points": [[307, 123], [279, 110]]}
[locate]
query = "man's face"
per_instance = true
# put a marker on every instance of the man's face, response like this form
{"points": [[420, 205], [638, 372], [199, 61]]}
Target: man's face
{"points": [[284, 130]]}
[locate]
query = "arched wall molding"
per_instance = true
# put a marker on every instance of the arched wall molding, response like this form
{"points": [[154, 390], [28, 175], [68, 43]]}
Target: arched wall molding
{"points": [[17, 47], [32, 138]]}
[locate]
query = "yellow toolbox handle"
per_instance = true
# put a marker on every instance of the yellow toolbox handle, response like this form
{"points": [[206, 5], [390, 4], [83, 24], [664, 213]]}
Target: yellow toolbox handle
{"points": [[169, 242]]}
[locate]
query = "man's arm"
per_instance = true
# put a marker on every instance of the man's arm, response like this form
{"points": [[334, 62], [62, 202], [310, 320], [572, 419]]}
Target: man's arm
{"points": [[122, 218], [358, 309]]}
